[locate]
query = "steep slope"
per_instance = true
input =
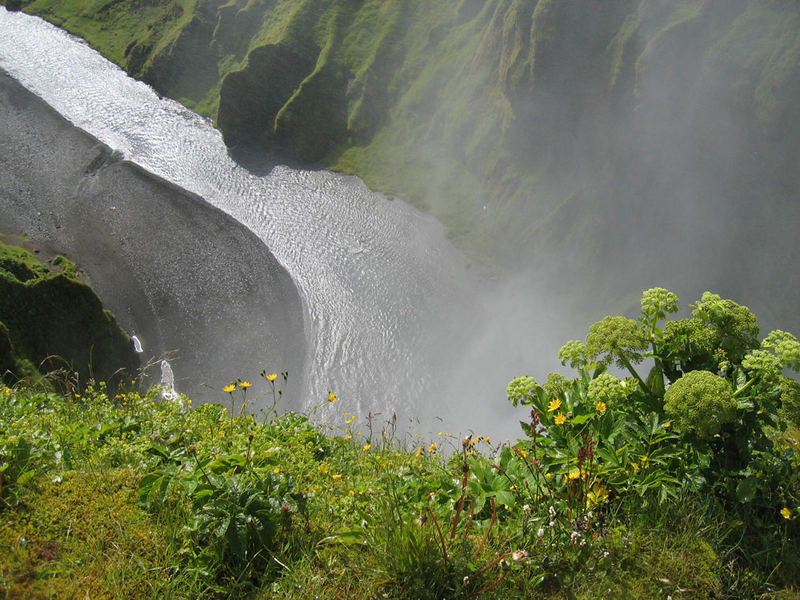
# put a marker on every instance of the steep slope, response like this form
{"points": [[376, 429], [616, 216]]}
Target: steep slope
{"points": [[578, 129]]}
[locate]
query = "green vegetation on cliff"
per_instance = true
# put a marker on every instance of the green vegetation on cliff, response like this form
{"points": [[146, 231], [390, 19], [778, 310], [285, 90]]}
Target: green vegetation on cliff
{"points": [[519, 123], [50, 320]]}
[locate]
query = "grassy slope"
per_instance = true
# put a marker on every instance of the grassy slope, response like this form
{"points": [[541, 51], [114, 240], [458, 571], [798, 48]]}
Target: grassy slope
{"points": [[72, 524]]}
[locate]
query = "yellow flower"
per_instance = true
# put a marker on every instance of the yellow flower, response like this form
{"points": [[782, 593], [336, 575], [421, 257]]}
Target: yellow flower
{"points": [[272, 377], [548, 476], [487, 439], [554, 405], [336, 476], [276, 470], [188, 401], [367, 447], [786, 513], [560, 419], [574, 474], [245, 384], [601, 407], [348, 437], [332, 397], [419, 451], [432, 448], [667, 424], [323, 469], [229, 388]]}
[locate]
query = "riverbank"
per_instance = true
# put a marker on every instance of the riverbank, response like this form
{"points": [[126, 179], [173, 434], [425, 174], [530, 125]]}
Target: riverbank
{"points": [[183, 276]]}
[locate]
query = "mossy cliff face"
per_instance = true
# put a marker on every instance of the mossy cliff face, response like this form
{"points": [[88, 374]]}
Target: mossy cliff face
{"points": [[52, 320], [524, 125]]}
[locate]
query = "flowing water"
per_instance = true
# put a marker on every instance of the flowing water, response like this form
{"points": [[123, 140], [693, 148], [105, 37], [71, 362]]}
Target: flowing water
{"points": [[379, 282]]}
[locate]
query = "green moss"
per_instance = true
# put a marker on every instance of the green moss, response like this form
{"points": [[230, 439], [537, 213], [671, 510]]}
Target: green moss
{"points": [[85, 536], [52, 320]]}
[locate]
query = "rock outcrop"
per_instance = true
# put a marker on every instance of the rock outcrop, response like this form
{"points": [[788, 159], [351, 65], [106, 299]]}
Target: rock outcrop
{"points": [[51, 320]]}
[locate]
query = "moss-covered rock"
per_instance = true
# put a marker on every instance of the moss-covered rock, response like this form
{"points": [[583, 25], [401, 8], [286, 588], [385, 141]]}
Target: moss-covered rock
{"points": [[53, 320]]}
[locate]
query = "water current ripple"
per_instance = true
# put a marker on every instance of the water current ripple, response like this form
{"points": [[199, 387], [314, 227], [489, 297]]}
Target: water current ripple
{"points": [[377, 277]]}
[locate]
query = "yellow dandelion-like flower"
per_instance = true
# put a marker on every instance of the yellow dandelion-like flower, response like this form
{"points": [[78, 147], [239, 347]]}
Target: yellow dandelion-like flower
{"points": [[601, 407], [276, 470], [548, 476], [554, 405], [323, 469], [245, 384], [272, 377], [331, 396], [348, 437], [574, 474], [667, 425], [432, 448], [336, 476], [560, 419], [366, 447], [188, 401], [419, 451], [487, 439], [786, 513], [229, 388]]}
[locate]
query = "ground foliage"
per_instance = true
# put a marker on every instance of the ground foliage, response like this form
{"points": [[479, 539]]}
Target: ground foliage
{"points": [[679, 483]]}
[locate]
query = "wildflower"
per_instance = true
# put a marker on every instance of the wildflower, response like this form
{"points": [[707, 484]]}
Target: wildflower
{"points": [[518, 555], [601, 407], [323, 469], [271, 376], [487, 439], [229, 388], [336, 476], [432, 448], [332, 397], [276, 470], [667, 425], [189, 401], [554, 405], [348, 437], [548, 476], [245, 384], [419, 451], [367, 447], [540, 533], [574, 474], [560, 419], [786, 513]]}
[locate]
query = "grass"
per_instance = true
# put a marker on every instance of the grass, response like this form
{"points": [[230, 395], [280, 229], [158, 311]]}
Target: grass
{"points": [[348, 512]]}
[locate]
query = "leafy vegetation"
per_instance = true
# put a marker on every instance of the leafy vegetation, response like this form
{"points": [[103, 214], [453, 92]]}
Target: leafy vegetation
{"points": [[683, 482]]}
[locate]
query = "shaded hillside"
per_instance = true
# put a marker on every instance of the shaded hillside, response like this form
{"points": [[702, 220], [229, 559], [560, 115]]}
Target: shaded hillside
{"points": [[51, 320], [581, 129]]}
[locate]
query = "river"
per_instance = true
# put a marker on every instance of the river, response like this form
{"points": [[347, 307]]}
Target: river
{"points": [[384, 293]]}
